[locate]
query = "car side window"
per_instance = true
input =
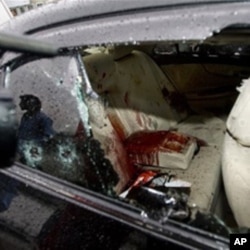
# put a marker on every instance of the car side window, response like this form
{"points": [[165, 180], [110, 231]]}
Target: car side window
{"points": [[53, 131]]}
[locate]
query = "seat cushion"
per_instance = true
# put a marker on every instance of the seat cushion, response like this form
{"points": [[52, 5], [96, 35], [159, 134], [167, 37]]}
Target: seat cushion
{"points": [[204, 171]]}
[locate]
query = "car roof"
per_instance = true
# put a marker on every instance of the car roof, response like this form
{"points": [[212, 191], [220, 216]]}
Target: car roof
{"points": [[132, 22], [64, 10]]}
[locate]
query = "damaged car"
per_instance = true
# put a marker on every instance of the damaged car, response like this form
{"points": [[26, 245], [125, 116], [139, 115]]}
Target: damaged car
{"points": [[133, 115]]}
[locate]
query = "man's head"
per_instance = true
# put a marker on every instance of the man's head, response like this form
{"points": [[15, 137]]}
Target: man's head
{"points": [[30, 103]]}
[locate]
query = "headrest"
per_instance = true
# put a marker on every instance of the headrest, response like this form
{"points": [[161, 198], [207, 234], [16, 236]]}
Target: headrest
{"points": [[120, 52]]}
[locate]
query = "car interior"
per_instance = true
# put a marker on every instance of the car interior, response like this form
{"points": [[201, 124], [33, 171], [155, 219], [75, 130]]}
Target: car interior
{"points": [[162, 87], [146, 91], [157, 109]]}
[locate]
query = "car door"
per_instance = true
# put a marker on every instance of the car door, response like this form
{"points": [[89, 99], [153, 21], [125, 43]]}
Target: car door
{"points": [[66, 97]]}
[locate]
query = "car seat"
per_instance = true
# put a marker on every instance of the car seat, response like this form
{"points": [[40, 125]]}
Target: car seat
{"points": [[137, 93], [236, 158]]}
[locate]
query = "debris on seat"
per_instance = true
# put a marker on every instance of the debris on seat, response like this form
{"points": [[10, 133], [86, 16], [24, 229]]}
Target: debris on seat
{"points": [[157, 180], [165, 197], [160, 195]]}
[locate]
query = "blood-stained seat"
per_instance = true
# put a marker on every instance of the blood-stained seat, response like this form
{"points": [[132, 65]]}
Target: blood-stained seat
{"points": [[135, 95]]}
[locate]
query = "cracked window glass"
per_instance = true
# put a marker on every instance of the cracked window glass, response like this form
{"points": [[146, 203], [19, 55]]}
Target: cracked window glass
{"points": [[54, 135]]}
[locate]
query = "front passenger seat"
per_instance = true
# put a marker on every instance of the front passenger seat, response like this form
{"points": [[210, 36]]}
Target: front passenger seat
{"points": [[236, 157]]}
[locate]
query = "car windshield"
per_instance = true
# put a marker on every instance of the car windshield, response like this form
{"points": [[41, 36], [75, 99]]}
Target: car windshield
{"points": [[141, 123]]}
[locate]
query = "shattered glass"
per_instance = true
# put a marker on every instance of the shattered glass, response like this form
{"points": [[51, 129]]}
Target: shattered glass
{"points": [[70, 152]]}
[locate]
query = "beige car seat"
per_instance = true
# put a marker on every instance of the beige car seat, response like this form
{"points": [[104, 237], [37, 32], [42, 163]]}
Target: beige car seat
{"points": [[236, 158], [132, 85]]}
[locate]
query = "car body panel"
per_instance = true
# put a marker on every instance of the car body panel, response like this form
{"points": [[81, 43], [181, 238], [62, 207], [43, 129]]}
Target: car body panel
{"points": [[196, 22]]}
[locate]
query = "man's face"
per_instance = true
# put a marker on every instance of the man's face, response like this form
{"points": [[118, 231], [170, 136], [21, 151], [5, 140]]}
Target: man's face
{"points": [[23, 104]]}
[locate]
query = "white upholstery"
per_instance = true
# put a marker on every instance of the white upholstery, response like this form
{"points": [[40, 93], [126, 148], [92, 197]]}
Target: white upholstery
{"points": [[133, 86], [236, 174], [205, 170], [236, 158]]}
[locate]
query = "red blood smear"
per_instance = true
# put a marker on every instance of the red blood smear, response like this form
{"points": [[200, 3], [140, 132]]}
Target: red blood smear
{"points": [[144, 178], [150, 141], [144, 146], [117, 124]]}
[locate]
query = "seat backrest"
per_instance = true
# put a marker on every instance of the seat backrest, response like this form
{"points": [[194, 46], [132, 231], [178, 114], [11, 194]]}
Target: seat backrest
{"points": [[100, 69], [135, 89]]}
